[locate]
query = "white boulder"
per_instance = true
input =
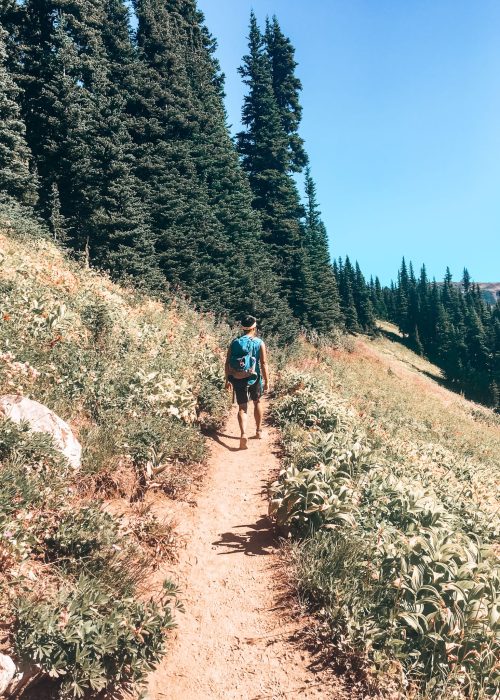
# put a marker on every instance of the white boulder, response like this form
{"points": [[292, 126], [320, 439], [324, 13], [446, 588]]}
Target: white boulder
{"points": [[7, 673], [42, 420]]}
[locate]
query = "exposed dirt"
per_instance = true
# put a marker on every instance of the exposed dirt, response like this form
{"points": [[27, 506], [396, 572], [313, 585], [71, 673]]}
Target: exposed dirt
{"points": [[235, 639]]}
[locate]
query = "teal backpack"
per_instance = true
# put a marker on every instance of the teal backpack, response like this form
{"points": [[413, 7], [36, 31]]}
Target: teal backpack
{"points": [[242, 360]]}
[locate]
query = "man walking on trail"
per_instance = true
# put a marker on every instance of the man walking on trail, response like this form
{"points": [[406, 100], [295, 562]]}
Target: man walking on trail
{"points": [[246, 370]]}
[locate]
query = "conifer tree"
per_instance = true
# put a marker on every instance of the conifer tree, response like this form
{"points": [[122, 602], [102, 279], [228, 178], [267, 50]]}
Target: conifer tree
{"points": [[57, 223], [49, 96], [286, 88], [208, 236], [348, 306], [228, 190], [323, 305], [362, 300], [263, 147], [380, 305], [16, 178]]}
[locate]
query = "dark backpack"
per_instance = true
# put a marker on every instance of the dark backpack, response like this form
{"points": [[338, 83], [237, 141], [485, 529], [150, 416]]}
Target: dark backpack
{"points": [[242, 360]]}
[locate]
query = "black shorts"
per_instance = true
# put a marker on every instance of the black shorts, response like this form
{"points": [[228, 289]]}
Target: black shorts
{"points": [[245, 393]]}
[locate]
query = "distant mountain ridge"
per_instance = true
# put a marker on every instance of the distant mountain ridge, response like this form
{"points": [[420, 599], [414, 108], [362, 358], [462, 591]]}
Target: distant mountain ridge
{"points": [[490, 290]]}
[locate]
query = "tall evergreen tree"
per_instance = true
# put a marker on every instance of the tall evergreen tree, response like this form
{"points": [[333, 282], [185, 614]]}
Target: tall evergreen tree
{"points": [[362, 301], [264, 150], [323, 304], [286, 88], [348, 305], [208, 236], [16, 176], [227, 188], [80, 139]]}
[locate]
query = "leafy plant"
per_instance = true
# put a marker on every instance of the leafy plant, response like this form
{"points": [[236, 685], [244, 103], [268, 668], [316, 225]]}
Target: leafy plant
{"points": [[89, 639], [399, 573], [80, 534], [312, 498]]}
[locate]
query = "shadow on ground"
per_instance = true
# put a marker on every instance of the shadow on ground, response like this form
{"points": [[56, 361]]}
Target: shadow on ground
{"points": [[257, 539]]}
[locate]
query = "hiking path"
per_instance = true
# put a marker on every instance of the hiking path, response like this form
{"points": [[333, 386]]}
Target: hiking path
{"points": [[234, 641]]}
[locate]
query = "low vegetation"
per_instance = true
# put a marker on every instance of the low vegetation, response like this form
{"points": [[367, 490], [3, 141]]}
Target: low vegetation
{"points": [[137, 379], [389, 495]]}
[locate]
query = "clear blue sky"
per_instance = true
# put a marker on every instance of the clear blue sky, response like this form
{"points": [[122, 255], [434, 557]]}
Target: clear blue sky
{"points": [[401, 121]]}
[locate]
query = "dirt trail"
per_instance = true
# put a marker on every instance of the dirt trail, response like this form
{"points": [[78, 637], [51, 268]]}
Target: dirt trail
{"points": [[233, 642]]}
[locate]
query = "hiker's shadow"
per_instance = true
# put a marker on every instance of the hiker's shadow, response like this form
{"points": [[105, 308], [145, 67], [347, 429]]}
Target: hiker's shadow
{"points": [[216, 437], [257, 540]]}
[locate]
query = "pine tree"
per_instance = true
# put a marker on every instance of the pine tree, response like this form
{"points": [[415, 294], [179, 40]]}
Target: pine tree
{"points": [[16, 178], [263, 147], [57, 223], [208, 236], [80, 139], [402, 300], [419, 348], [379, 301], [348, 306], [362, 301], [466, 281], [49, 95], [323, 305], [286, 88], [227, 188]]}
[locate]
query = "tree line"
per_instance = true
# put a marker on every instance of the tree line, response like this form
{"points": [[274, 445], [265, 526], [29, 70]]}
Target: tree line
{"points": [[118, 139], [449, 323]]}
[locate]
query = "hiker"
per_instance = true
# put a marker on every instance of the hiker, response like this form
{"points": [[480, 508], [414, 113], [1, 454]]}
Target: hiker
{"points": [[246, 371]]}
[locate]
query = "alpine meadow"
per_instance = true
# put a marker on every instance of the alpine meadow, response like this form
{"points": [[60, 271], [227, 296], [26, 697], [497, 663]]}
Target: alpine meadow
{"points": [[139, 234]]}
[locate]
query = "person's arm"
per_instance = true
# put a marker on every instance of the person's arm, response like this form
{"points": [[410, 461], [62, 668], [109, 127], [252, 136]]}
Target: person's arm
{"points": [[226, 368], [264, 366]]}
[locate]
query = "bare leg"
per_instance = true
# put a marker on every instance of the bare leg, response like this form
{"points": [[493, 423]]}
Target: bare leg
{"points": [[242, 420], [257, 412]]}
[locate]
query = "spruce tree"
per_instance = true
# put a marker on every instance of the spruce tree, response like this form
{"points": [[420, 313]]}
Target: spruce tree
{"points": [[323, 305], [348, 306], [49, 95], [254, 287], [207, 235], [362, 300], [16, 177], [263, 147], [286, 88], [80, 138]]}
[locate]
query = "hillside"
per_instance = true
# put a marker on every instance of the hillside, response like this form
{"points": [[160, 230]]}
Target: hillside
{"points": [[389, 492], [137, 380]]}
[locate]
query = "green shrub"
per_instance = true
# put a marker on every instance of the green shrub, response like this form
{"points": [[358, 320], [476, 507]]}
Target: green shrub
{"points": [[312, 498], [336, 575], [212, 398], [393, 566], [80, 534], [168, 438], [445, 619], [37, 450], [90, 639]]}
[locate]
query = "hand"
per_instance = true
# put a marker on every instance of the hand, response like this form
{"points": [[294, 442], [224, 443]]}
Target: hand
{"points": [[228, 385]]}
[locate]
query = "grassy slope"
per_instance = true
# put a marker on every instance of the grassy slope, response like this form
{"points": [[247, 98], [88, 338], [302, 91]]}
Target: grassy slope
{"points": [[415, 445], [137, 380], [411, 418]]}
